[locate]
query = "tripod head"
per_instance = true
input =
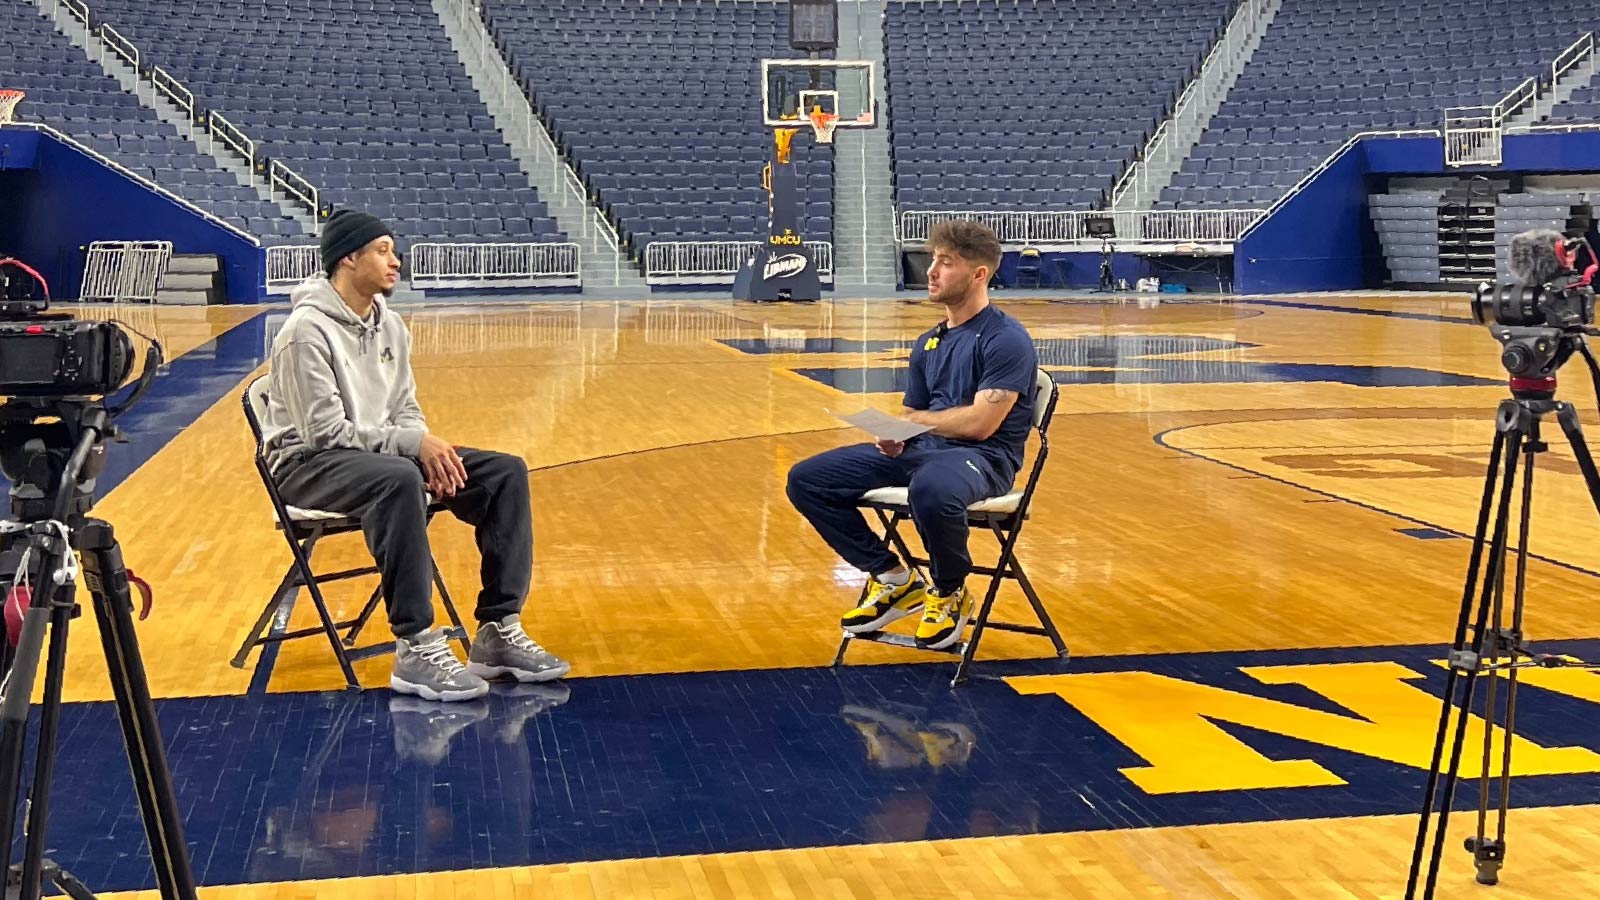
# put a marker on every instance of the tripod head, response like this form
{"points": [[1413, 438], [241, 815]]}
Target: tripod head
{"points": [[53, 450]]}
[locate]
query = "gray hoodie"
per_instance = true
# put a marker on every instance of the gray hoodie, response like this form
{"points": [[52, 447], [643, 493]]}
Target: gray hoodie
{"points": [[338, 381]]}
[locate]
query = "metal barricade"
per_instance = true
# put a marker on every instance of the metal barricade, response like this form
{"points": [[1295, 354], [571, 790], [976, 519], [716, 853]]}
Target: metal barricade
{"points": [[287, 266], [504, 265], [716, 262], [120, 271]]}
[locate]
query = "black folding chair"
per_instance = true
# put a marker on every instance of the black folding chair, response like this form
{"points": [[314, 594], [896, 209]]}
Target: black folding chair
{"points": [[304, 528], [1003, 516]]}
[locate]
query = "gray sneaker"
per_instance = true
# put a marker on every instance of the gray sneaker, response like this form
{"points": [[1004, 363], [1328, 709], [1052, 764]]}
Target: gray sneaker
{"points": [[425, 665], [503, 648]]}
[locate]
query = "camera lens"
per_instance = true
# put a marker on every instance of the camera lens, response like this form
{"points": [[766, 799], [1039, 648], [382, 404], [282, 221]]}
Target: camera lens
{"points": [[1507, 304]]}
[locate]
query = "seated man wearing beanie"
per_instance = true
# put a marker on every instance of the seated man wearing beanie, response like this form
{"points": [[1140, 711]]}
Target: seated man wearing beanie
{"points": [[344, 433]]}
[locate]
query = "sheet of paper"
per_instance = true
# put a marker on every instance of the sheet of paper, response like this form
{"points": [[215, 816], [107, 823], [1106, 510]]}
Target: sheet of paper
{"points": [[883, 426]]}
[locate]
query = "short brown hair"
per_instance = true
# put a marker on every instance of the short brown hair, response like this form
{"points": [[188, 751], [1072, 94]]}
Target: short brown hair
{"points": [[969, 240]]}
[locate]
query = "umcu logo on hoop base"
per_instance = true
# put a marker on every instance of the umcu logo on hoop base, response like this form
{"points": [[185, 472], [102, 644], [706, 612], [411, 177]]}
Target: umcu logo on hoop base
{"points": [[786, 266], [787, 239]]}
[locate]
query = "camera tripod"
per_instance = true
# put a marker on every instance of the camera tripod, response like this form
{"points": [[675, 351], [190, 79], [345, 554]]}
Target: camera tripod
{"points": [[1107, 280], [1492, 647], [52, 465]]}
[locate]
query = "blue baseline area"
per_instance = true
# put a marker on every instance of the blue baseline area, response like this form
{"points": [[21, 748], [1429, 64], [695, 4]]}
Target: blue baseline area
{"points": [[303, 786], [1116, 359]]}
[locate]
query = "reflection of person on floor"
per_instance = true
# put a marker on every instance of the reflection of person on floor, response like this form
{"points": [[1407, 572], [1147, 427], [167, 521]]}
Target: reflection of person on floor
{"points": [[341, 814], [971, 379], [344, 434], [918, 799]]}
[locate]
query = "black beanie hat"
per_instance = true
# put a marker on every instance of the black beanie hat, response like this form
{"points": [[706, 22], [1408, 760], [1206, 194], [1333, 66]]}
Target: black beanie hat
{"points": [[346, 232]]}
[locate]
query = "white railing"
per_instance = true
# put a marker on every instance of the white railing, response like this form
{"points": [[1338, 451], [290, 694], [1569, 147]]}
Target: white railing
{"points": [[592, 225], [1472, 136], [118, 271], [1580, 50], [287, 266], [494, 265], [230, 135], [78, 9], [1518, 99], [281, 177], [716, 262], [1323, 167], [143, 181], [1205, 87], [173, 90], [1554, 128], [112, 40], [1047, 230]]}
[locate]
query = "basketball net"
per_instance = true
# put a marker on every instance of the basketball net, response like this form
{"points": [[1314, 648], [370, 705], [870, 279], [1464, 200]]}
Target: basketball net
{"points": [[822, 124], [8, 102]]}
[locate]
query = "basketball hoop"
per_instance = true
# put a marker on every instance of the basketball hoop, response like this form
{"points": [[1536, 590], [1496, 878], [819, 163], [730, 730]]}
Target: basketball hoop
{"points": [[8, 102], [822, 124]]}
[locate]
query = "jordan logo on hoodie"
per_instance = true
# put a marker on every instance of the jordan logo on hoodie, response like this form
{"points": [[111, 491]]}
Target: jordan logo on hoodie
{"points": [[387, 355]]}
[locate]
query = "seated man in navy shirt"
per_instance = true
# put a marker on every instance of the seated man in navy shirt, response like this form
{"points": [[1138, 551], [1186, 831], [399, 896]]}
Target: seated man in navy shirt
{"points": [[972, 379]]}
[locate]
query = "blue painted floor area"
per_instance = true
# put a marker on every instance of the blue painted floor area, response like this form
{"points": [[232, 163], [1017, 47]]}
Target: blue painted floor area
{"points": [[1114, 359], [301, 786]]}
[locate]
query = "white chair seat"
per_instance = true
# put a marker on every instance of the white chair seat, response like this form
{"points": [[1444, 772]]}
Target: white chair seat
{"points": [[296, 514], [897, 496]]}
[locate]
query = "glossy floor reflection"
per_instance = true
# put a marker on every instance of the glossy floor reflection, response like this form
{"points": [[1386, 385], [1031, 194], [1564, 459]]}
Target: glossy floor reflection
{"points": [[315, 786], [1250, 532]]}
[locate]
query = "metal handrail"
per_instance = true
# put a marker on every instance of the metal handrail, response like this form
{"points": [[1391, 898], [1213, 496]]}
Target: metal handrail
{"points": [[1204, 81], [113, 39], [229, 133], [295, 185], [173, 89]]}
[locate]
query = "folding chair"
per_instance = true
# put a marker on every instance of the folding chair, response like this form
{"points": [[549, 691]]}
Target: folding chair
{"points": [[304, 528], [1003, 517]]}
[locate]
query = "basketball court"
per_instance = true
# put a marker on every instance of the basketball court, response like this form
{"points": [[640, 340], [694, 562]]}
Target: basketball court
{"points": [[1250, 532]]}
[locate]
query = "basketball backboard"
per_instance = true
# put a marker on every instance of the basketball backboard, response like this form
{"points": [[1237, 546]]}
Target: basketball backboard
{"points": [[820, 94]]}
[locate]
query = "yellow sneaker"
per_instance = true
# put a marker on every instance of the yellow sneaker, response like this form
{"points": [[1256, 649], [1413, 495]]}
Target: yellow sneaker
{"points": [[943, 617], [884, 603]]}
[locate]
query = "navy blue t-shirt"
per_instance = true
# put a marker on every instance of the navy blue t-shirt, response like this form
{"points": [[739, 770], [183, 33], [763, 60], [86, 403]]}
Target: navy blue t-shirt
{"points": [[989, 351]]}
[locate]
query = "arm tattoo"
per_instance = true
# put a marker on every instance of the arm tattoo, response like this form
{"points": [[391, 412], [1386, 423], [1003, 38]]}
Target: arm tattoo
{"points": [[995, 395]]}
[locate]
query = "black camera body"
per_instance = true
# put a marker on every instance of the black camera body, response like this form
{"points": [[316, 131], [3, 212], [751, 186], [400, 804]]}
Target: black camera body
{"points": [[53, 355]]}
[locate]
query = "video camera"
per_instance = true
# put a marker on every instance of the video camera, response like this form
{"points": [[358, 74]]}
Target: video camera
{"points": [[53, 355], [1541, 317], [56, 372]]}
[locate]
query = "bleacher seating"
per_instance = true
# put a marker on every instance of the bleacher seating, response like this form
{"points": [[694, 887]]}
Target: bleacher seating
{"points": [[658, 106], [75, 96], [365, 98], [1582, 106], [1329, 69], [1039, 104]]}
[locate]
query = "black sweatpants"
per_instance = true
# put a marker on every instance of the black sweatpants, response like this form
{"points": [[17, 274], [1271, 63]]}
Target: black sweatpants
{"points": [[942, 478], [388, 494]]}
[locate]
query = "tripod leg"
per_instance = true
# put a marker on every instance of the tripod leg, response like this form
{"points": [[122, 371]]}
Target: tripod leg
{"points": [[1489, 855], [1468, 657], [107, 580], [19, 686], [1567, 416], [1469, 592], [44, 756]]}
